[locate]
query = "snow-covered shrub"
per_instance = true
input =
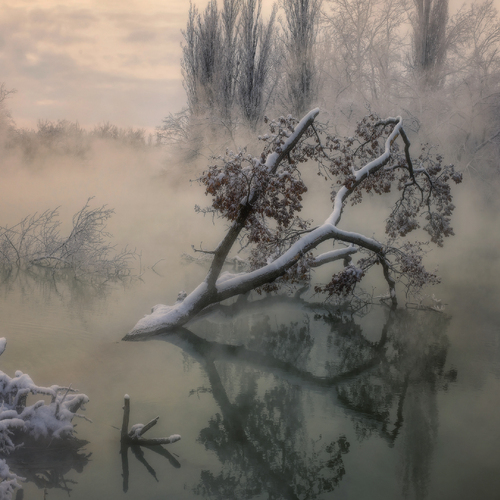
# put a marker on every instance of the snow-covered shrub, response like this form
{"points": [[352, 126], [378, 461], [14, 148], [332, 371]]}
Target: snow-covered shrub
{"points": [[40, 420]]}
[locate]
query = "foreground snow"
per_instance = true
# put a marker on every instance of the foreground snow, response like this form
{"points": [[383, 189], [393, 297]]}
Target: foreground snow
{"points": [[39, 420]]}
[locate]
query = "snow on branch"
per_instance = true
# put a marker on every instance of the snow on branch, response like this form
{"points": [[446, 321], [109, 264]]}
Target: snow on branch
{"points": [[40, 421], [261, 197], [134, 436]]}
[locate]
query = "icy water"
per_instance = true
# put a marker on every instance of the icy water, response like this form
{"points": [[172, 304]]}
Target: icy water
{"points": [[310, 404]]}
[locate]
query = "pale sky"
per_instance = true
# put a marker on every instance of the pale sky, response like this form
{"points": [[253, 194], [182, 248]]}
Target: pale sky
{"points": [[94, 61]]}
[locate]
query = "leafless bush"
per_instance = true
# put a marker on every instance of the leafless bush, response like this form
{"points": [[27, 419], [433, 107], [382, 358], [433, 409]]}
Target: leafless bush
{"points": [[132, 136], [68, 138], [175, 128], [61, 137], [86, 252]]}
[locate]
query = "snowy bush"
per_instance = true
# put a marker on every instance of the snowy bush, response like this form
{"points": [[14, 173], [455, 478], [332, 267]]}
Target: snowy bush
{"points": [[38, 421]]}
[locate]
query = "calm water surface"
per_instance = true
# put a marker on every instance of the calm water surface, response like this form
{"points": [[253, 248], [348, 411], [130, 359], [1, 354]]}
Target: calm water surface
{"points": [[311, 404]]}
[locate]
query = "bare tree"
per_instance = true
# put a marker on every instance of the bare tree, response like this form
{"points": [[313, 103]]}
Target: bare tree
{"points": [[468, 103], [6, 122], [257, 43], [261, 197], [202, 57], [483, 40], [227, 65], [477, 88], [5, 93], [209, 53], [210, 58], [364, 44], [230, 58], [429, 39], [189, 61], [300, 36], [434, 34]]}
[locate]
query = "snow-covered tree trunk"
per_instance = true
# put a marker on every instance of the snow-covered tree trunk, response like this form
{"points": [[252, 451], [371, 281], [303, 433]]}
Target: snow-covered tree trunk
{"points": [[211, 291]]}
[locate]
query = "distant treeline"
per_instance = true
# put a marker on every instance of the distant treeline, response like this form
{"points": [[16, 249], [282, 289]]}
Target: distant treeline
{"points": [[441, 72], [350, 57], [64, 137], [68, 138]]}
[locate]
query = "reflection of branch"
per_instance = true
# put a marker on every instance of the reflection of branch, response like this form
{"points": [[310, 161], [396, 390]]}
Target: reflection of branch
{"points": [[391, 437], [208, 350], [255, 435], [125, 468], [47, 464], [234, 424], [232, 417], [242, 434], [164, 453], [269, 302], [139, 454]]}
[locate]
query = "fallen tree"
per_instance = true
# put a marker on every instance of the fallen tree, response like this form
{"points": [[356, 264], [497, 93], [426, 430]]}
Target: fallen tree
{"points": [[261, 197]]}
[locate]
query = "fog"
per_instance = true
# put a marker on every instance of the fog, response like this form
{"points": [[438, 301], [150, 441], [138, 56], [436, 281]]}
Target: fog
{"points": [[72, 335], [279, 397]]}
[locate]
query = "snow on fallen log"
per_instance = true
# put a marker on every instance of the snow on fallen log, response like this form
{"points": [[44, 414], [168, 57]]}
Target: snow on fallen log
{"points": [[261, 197]]}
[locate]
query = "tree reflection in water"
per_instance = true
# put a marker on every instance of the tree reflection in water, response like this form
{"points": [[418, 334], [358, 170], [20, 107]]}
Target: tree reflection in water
{"points": [[260, 435], [270, 454], [42, 284]]}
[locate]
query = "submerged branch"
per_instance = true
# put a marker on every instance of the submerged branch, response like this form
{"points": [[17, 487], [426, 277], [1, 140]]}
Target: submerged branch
{"points": [[36, 241], [134, 436]]}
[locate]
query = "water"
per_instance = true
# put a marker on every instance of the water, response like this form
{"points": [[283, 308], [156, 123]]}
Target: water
{"points": [[310, 405]]}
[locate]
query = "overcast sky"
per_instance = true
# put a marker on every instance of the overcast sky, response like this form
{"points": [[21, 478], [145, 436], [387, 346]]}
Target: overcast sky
{"points": [[94, 61], [91, 60]]}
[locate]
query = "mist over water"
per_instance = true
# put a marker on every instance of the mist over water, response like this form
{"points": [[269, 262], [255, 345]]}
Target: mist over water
{"points": [[276, 396], [425, 428]]}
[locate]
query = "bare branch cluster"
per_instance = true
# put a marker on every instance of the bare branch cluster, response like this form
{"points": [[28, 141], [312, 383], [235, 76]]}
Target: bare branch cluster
{"points": [[86, 252], [227, 60]]}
